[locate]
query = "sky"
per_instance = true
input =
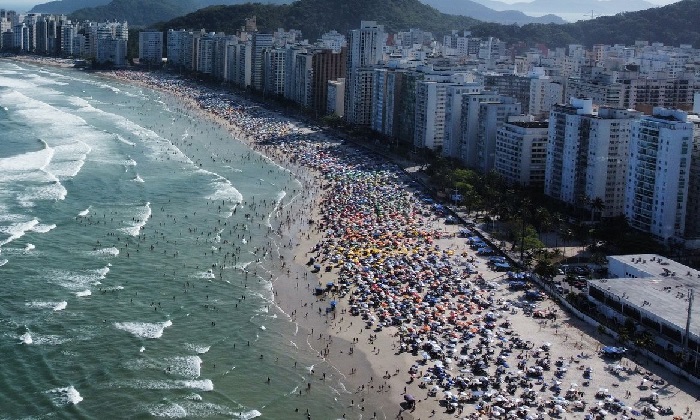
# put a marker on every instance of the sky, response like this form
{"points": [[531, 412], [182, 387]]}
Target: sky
{"points": [[24, 5], [659, 2]]}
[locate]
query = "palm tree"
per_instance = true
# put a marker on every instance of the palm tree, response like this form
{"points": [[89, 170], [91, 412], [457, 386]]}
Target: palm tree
{"points": [[597, 206]]}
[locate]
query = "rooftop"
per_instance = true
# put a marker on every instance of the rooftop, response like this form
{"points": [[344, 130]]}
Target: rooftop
{"points": [[657, 266], [667, 297]]}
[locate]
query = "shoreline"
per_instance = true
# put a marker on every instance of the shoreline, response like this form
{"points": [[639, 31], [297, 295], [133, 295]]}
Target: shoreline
{"points": [[382, 386], [286, 293], [387, 366]]}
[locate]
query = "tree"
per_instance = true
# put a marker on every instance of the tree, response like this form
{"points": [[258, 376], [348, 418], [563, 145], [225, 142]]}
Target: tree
{"points": [[597, 206], [545, 268]]}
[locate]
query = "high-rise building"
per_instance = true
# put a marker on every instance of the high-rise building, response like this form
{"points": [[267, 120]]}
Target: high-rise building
{"points": [[365, 50], [327, 65], [261, 42], [336, 93], [521, 152], [151, 47], [434, 96], [179, 48], [452, 143], [586, 155], [274, 66], [492, 115], [471, 108], [658, 174]]}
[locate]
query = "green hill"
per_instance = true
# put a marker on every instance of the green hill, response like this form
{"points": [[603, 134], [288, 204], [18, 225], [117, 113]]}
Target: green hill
{"points": [[673, 24], [136, 12], [314, 17]]}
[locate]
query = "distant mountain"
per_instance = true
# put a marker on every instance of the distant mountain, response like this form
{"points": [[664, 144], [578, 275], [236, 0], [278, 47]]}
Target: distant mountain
{"points": [[598, 7], [66, 6], [315, 17], [485, 13], [674, 24]]}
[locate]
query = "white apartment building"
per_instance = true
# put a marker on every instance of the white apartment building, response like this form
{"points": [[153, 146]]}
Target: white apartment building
{"points": [[360, 86], [336, 100], [452, 142], [68, 33], [431, 103], [521, 152], [544, 94], [112, 50], [205, 53], [274, 67], [179, 48], [471, 108], [239, 63], [491, 116], [151, 47], [658, 174], [587, 153], [261, 42], [333, 40]]}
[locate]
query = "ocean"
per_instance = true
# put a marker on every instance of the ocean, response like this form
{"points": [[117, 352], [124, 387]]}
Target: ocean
{"points": [[135, 255]]}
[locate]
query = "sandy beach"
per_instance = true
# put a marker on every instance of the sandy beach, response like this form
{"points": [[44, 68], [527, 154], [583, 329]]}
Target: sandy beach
{"points": [[398, 304]]}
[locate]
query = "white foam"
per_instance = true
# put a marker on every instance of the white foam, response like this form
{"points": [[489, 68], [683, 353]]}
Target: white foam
{"points": [[40, 340], [29, 247], [160, 148], [223, 189], [105, 252], [80, 280], [142, 349], [102, 272], [84, 212], [65, 396], [83, 293], [139, 221], [3, 262], [43, 228], [199, 349], [69, 133], [194, 397], [138, 178], [247, 415], [17, 230], [199, 384], [123, 140], [204, 274], [173, 411], [26, 338], [56, 306], [144, 329], [188, 366]]}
